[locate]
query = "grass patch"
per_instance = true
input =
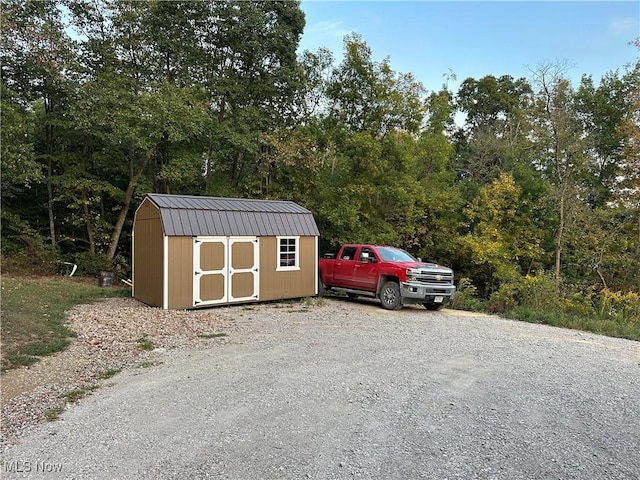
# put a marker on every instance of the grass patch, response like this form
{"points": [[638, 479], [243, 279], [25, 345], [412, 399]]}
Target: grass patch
{"points": [[43, 348], [144, 343], [609, 327], [112, 372], [53, 413], [73, 396], [15, 359], [33, 314], [314, 301], [148, 364], [212, 335]]}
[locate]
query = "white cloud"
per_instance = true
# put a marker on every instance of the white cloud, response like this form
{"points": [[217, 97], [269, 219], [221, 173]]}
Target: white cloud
{"points": [[333, 28], [623, 26]]}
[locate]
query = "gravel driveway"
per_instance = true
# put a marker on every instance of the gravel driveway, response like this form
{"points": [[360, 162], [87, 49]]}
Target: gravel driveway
{"points": [[344, 389]]}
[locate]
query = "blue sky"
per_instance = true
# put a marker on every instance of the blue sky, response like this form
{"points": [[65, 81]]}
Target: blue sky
{"points": [[476, 38]]}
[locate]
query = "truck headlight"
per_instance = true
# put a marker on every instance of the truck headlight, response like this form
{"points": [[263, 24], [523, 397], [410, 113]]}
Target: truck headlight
{"points": [[411, 273]]}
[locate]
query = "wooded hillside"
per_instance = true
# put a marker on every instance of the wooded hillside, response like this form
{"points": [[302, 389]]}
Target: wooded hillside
{"points": [[535, 199]]}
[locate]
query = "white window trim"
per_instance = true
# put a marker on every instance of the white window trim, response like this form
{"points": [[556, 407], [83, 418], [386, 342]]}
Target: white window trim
{"points": [[297, 252]]}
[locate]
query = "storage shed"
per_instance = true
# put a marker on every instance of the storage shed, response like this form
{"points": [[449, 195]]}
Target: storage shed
{"points": [[191, 251]]}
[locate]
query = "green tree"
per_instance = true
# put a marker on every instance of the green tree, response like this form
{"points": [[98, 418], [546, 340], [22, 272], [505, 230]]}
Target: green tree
{"points": [[134, 129], [440, 201], [369, 189], [627, 187], [367, 96], [561, 150], [503, 240], [496, 131], [36, 59], [602, 111], [20, 170], [248, 67]]}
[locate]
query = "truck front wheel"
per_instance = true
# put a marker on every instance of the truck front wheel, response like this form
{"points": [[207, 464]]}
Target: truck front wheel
{"points": [[390, 296]]}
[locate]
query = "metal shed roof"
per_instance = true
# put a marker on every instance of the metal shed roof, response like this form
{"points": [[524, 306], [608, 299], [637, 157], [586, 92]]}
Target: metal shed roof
{"points": [[185, 215]]}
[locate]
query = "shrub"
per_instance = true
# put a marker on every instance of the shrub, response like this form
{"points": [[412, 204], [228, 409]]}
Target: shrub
{"points": [[466, 297], [618, 306], [577, 303], [535, 292], [539, 292], [28, 254], [91, 264], [505, 298]]}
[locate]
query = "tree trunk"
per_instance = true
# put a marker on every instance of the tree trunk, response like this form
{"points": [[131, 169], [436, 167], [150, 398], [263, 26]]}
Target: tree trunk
{"points": [[560, 238], [128, 196], [209, 166], [52, 223], [85, 203], [117, 230], [87, 217], [48, 132]]}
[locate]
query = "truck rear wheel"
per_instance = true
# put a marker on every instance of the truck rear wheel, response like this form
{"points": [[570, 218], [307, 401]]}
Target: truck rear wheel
{"points": [[390, 296]]}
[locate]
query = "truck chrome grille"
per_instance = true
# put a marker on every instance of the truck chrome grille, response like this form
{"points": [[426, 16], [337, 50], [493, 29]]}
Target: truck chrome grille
{"points": [[435, 278]]}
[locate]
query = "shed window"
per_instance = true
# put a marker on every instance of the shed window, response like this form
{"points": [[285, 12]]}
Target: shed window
{"points": [[288, 253]]}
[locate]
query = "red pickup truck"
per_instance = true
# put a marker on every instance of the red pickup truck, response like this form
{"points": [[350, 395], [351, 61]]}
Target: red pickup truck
{"points": [[387, 273]]}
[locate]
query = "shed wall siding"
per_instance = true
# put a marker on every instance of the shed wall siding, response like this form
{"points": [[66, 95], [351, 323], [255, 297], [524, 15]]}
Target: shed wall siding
{"points": [[180, 272], [291, 283], [147, 211], [147, 255]]}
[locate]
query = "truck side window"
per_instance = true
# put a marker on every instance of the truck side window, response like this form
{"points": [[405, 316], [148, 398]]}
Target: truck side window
{"points": [[348, 253], [366, 255]]}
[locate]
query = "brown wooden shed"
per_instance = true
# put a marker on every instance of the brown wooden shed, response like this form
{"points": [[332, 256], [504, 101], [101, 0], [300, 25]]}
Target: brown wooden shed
{"points": [[191, 251]]}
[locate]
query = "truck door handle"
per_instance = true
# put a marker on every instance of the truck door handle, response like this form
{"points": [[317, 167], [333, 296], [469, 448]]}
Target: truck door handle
{"points": [[357, 266]]}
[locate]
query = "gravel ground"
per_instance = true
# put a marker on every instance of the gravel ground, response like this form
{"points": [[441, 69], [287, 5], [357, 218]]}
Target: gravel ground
{"points": [[109, 334], [337, 389]]}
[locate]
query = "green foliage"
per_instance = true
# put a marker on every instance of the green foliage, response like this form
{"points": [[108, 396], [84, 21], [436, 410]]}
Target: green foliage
{"points": [[467, 297], [91, 264], [537, 299], [366, 96], [19, 168], [23, 250], [629, 330], [538, 292], [503, 241], [42, 349], [618, 306]]}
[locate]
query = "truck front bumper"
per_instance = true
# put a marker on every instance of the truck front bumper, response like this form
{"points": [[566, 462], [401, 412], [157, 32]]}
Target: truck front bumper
{"points": [[414, 292]]}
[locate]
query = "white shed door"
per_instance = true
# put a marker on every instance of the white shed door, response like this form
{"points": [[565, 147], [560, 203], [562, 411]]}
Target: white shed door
{"points": [[225, 270]]}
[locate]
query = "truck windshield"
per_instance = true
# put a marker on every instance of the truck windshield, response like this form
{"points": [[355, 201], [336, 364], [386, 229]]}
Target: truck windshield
{"points": [[389, 254]]}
